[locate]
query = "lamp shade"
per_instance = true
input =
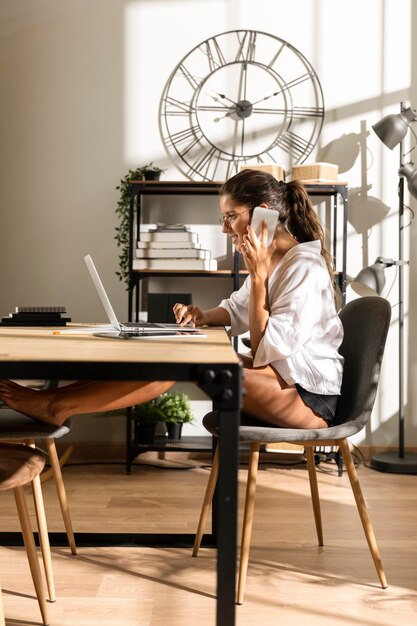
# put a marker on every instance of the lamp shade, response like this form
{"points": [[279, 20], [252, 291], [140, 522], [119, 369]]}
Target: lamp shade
{"points": [[371, 279], [393, 128], [409, 171]]}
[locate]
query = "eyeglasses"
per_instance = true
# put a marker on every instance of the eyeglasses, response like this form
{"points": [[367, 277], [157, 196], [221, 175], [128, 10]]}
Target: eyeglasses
{"points": [[227, 220]]}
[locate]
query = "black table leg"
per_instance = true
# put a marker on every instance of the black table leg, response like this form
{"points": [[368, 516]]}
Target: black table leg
{"points": [[227, 518]]}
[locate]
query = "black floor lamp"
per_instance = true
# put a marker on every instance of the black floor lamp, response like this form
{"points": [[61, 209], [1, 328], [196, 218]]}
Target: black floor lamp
{"points": [[392, 129]]}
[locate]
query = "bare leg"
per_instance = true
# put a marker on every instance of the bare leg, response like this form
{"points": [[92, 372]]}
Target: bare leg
{"points": [[54, 406], [269, 398]]}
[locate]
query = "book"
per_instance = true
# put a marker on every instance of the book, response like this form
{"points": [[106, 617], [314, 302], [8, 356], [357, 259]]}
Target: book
{"points": [[162, 226], [36, 316], [168, 235], [175, 264], [157, 245], [172, 253]]}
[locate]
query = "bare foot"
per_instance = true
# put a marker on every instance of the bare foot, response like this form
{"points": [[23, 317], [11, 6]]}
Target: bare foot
{"points": [[38, 405]]}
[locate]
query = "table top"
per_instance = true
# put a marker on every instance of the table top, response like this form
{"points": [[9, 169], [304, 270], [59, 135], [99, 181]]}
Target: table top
{"points": [[22, 347]]}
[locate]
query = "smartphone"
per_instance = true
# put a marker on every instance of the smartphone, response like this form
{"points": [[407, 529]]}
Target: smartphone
{"points": [[270, 216]]}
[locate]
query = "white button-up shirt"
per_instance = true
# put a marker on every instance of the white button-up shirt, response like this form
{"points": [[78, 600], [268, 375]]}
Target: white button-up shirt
{"points": [[304, 332]]}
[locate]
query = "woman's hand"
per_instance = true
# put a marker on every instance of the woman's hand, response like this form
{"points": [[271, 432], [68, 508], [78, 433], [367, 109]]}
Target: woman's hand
{"points": [[256, 253], [189, 314]]}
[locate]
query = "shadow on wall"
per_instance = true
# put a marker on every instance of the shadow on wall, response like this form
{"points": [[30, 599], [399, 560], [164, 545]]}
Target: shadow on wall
{"points": [[365, 211], [387, 433]]}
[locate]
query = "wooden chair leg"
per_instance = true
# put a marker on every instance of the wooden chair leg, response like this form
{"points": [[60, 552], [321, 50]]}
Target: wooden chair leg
{"points": [[31, 551], [208, 497], [43, 536], [62, 495], [2, 622], [314, 489], [363, 511], [42, 530], [247, 520]]}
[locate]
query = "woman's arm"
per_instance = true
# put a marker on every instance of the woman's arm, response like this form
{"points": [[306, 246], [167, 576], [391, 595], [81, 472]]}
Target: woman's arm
{"points": [[258, 311], [257, 258]]}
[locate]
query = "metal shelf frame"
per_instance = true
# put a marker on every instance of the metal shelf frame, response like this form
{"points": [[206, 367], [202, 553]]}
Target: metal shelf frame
{"points": [[145, 188], [337, 191]]}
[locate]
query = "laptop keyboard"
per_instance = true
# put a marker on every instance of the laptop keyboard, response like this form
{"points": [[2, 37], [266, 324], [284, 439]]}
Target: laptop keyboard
{"points": [[139, 325]]}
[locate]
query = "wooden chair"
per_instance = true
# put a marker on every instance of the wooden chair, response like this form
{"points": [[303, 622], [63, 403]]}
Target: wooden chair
{"points": [[17, 427], [19, 465], [365, 322]]}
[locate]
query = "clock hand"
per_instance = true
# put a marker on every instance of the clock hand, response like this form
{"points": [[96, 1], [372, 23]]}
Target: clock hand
{"points": [[228, 114], [267, 97], [296, 81], [223, 97]]}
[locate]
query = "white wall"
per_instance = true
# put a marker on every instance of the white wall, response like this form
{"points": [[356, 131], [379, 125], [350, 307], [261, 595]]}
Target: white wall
{"points": [[81, 83]]}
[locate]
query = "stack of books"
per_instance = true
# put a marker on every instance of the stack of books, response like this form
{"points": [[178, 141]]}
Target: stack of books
{"points": [[172, 247], [36, 316]]}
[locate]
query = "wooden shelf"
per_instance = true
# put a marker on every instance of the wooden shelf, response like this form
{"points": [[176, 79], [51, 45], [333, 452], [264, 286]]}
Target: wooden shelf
{"points": [[220, 273]]}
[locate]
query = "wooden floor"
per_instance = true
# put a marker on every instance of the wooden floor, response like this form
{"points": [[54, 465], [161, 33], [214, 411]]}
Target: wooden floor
{"points": [[291, 581]]}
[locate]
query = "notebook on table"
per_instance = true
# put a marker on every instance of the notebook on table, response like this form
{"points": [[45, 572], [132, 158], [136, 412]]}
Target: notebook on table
{"points": [[124, 330]]}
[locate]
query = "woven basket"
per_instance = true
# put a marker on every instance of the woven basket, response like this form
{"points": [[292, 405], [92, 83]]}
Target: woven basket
{"points": [[275, 170], [320, 172]]}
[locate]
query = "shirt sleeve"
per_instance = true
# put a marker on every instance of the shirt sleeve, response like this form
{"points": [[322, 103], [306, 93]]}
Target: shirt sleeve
{"points": [[238, 308], [295, 309]]}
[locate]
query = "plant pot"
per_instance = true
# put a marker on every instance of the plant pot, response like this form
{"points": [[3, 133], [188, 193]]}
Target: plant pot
{"points": [[145, 433], [151, 175], [174, 431]]}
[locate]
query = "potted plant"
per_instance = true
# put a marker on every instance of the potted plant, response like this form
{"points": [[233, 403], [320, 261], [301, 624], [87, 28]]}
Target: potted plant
{"points": [[123, 213], [146, 416], [176, 411], [146, 172], [152, 172]]}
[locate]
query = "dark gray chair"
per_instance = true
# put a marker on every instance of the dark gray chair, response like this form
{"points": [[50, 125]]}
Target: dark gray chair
{"points": [[365, 322]]}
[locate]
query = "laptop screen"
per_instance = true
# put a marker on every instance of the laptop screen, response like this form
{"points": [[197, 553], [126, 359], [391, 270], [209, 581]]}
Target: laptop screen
{"points": [[102, 292]]}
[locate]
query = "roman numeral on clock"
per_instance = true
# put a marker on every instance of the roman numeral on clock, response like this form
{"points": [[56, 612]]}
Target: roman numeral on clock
{"points": [[213, 51], [172, 106], [189, 136], [293, 144], [247, 46], [193, 80], [206, 164]]}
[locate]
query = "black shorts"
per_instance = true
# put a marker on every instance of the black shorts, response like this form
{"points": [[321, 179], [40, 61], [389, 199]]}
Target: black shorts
{"points": [[322, 404]]}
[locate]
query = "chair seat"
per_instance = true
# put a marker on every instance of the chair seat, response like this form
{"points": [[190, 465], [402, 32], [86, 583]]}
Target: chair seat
{"points": [[254, 430], [19, 465], [15, 425]]}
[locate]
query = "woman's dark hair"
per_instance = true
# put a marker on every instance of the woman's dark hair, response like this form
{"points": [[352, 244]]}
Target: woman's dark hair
{"points": [[254, 187]]}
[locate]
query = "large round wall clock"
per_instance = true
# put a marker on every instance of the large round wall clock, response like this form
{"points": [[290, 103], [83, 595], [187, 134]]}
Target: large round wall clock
{"points": [[239, 98]]}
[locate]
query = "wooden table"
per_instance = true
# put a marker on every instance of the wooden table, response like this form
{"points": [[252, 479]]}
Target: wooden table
{"points": [[33, 353]]}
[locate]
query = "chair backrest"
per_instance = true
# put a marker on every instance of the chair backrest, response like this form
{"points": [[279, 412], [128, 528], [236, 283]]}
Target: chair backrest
{"points": [[365, 323]]}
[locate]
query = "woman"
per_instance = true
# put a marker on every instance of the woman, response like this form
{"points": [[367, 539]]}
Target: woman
{"points": [[286, 303]]}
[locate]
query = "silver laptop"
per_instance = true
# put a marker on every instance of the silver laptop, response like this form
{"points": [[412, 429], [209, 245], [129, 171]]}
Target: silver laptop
{"points": [[136, 329]]}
